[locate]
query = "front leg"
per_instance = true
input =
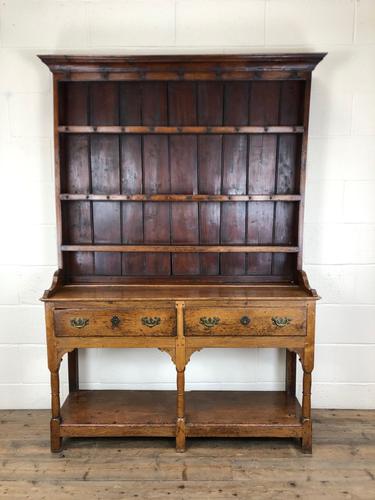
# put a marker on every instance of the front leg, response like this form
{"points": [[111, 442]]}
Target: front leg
{"points": [[54, 362], [307, 361], [306, 413], [56, 440], [180, 425], [180, 367]]}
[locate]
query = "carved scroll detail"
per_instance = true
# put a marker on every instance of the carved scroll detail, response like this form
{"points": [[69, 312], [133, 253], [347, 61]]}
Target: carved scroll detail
{"points": [[300, 353], [55, 285], [303, 280], [189, 351], [170, 351], [55, 357]]}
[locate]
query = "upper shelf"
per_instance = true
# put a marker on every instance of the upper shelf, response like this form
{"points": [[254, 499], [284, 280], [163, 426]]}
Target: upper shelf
{"points": [[122, 129], [179, 197], [181, 248]]}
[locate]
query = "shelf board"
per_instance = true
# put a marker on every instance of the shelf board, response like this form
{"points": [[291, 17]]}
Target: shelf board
{"points": [[137, 129], [119, 413], [213, 413], [242, 413], [181, 248], [179, 197], [155, 291], [205, 280]]}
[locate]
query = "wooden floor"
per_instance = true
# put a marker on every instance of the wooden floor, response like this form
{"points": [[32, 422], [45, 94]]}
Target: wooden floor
{"points": [[342, 464]]}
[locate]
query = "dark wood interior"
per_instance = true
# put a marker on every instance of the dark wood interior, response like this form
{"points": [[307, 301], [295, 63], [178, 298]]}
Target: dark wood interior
{"points": [[103, 175]]}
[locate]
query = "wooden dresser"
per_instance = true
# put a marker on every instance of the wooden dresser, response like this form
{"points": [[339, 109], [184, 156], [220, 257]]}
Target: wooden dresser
{"points": [[180, 186]]}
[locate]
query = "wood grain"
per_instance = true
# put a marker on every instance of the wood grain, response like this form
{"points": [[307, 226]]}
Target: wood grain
{"points": [[105, 175], [182, 101], [156, 176], [131, 171], [211, 468], [129, 322], [233, 215], [76, 176], [259, 319]]}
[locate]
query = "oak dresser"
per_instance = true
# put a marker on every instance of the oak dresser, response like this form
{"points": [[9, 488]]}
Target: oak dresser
{"points": [[180, 186]]}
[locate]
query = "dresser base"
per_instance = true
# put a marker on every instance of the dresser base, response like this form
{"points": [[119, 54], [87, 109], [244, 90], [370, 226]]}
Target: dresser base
{"points": [[181, 320]]}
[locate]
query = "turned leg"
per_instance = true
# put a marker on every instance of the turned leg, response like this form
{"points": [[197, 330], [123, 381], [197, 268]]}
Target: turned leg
{"points": [[73, 371], [180, 367], [307, 360], [306, 413], [56, 440], [54, 361], [290, 373], [180, 425]]}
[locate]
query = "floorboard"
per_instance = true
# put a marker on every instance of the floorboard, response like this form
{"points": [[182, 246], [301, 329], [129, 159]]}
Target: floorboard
{"points": [[342, 464]]}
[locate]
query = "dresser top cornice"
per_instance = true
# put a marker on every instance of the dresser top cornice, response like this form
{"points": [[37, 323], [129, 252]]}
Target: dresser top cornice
{"points": [[285, 62]]}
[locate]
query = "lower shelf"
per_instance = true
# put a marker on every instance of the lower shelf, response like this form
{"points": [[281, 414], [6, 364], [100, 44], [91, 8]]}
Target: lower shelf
{"points": [[242, 413], [119, 413], [208, 413]]}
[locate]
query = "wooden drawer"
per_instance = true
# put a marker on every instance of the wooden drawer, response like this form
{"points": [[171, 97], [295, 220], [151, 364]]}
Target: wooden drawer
{"points": [[115, 322], [245, 321]]}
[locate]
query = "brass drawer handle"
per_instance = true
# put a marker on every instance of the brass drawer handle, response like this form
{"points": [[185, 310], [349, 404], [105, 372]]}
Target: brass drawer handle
{"points": [[79, 322], [150, 322], [115, 320], [209, 322], [245, 320], [281, 321]]}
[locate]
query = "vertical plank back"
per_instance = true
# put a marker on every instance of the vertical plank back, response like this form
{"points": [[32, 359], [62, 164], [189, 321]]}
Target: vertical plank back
{"points": [[210, 112], [76, 176], [105, 175], [234, 176], [131, 177], [182, 101], [156, 175], [264, 110]]}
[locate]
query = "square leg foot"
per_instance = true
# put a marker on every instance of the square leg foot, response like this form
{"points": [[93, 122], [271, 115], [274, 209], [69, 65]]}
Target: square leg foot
{"points": [[306, 445], [56, 448], [180, 436], [306, 450], [56, 439]]}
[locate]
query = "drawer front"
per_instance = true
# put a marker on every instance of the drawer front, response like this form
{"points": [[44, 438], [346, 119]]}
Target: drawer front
{"points": [[115, 322], [245, 321]]}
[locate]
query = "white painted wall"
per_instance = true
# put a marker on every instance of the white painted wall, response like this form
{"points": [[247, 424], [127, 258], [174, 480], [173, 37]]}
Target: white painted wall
{"points": [[340, 212]]}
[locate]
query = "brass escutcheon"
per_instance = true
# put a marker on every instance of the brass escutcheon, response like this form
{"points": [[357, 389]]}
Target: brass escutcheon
{"points": [[79, 322], [150, 322], [281, 321], [209, 322]]}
